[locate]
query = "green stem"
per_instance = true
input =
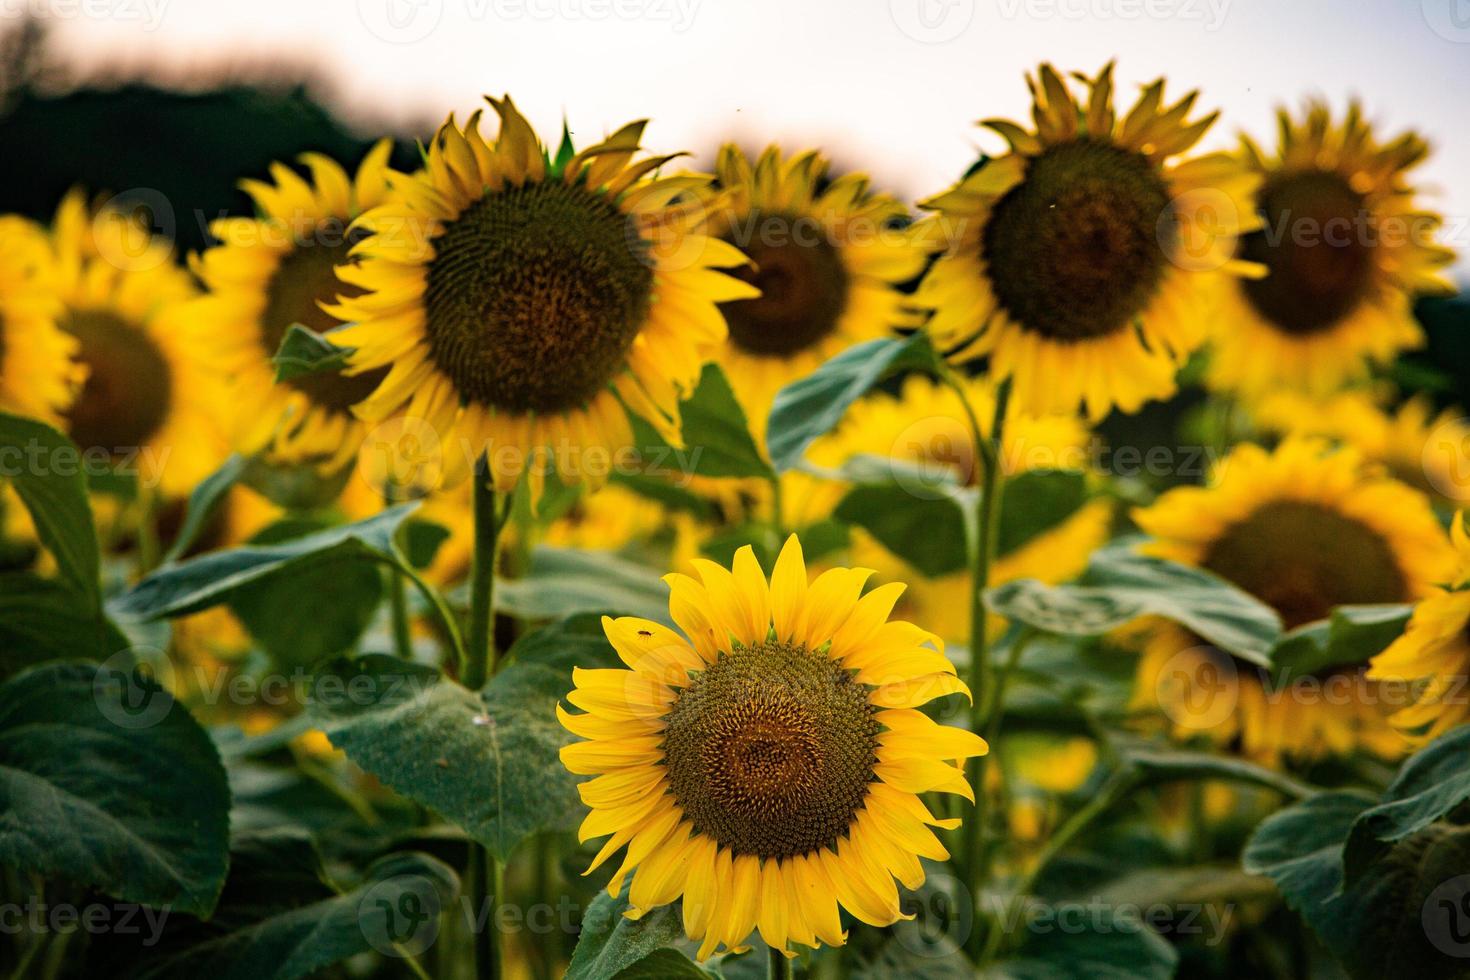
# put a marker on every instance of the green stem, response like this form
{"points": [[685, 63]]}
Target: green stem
{"points": [[398, 609], [778, 510], [1111, 792], [985, 702], [780, 968], [487, 876]]}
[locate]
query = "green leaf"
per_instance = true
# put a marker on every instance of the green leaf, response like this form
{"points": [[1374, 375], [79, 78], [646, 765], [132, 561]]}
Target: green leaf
{"points": [[106, 782], [610, 943], [1036, 501], [488, 762], [927, 533], [1430, 784], [305, 352], [211, 579], [43, 620], [204, 500], [296, 632], [281, 917], [48, 474], [1154, 763], [1121, 585], [1351, 635], [1300, 849], [298, 487], [421, 542], [1406, 918], [1110, 945], [809, 408], [565, 581], [715, 431]]}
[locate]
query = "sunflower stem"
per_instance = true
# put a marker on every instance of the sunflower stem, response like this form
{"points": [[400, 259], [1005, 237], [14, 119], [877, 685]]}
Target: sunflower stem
{"points": [[398, 610], [486, 874], [780, 965], [984, 701]]}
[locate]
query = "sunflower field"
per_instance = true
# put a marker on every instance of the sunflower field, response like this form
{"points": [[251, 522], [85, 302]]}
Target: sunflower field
{"points": [[541, 558]]}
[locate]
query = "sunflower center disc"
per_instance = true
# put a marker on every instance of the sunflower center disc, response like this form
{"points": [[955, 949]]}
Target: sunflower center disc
{"points": [[129, 387], [1318, 250], [802, 280], [770, 750], [1303, 559], [534, 296], [304, 277], [1077, 249]]}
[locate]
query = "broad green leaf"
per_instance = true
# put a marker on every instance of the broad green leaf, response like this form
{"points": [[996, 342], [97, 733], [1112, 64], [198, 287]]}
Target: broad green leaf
{"points": [[1036, 501], [1108, 945], [107, 782], [1121, 585], [305, 352], [565, 581], [282, 917], [610, 943], [1406, 917], [213, 578], [297, 632], [421, 542], [928, 533], [1351, 635], [1154, 763], [666, 964], [1300, 849], [487, 761], [715, 431], [1430, 784], [204, 500], [49, 476], [808, 408], [43, 620], [299, 487]]}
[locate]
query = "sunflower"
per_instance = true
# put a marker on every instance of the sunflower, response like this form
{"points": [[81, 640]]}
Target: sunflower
{"points": [[38, 374], [149, 401], [521, 303], [1433, 653], [1346, 247], [1423, 448], [274, 271], [1083, 262], [767, 767], [825, 255], [1304, 529], [925, 425]]}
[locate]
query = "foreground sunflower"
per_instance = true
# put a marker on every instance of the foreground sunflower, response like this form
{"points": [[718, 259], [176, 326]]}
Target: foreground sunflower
{"points": [[1434, 654], [38, 376], [1304, 529], [276, 270], [1083, 262], [149, 400], [1419, 446], [519, 303], [1346, 247], [825, 255], [925, 425], [767, 766]]}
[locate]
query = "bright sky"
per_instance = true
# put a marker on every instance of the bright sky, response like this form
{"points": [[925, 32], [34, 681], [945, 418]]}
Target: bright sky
{"points": [[890, 86]]}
